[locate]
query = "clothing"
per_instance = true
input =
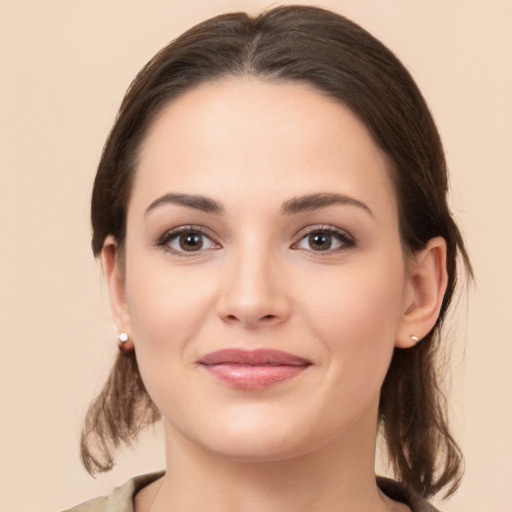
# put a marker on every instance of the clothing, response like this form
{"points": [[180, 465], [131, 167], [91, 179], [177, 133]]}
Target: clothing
{"points": [[121, 498]]}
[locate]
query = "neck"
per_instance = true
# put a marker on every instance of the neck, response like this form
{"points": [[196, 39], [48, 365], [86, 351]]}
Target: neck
{"points": [[337, 476]]}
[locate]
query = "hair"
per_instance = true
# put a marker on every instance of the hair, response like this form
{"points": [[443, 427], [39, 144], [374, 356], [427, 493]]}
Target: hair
{"points": [[323, 49]]}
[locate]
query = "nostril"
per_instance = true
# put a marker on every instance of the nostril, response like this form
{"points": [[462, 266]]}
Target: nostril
{"points": [[264, 319]]}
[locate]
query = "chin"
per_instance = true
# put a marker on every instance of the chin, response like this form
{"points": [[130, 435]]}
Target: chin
{"points": [[256, 435], [262, 447]]}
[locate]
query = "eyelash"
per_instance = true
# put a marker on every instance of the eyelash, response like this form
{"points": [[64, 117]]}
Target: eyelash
{"points": [[165, 240], [344, 238]]}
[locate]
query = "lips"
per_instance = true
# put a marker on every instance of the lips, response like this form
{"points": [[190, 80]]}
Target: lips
{"points": [[253, 369]]}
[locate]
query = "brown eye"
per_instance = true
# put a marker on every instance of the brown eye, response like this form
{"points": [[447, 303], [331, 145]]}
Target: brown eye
{"points": [[182, 241], [325, 239], [320, 241], [190, 241]]}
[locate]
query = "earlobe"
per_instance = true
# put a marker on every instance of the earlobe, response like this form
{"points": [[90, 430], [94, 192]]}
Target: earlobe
{"points": [[113, 267], [428, 279]]}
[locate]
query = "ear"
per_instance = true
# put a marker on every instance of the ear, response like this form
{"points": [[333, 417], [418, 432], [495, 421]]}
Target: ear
{"points": [[427, 281], [113, 267]]}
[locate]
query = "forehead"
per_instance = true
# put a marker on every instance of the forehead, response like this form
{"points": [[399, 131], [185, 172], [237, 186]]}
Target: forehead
{"points": [[245, 135]]}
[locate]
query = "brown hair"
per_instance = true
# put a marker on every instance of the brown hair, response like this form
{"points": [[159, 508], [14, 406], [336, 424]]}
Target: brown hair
{"points": [[318, 47]]}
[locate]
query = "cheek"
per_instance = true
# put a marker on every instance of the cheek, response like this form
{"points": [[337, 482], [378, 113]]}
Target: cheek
{"points": [[358, 300], [168, 309], [355, 315], [167, 306]]}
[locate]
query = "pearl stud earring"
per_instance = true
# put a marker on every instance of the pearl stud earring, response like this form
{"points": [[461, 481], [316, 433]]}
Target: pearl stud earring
{"points": [[123, 338]]}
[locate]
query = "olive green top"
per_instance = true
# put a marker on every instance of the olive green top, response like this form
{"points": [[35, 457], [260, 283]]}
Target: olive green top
{"points": [[121, 498]]}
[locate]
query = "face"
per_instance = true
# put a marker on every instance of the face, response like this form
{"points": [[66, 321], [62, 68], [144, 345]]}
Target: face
{"points": [[263, 280]]}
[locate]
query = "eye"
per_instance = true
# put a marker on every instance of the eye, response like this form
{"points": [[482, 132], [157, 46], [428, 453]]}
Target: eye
{"points": [[324, 240], [187, 239]]}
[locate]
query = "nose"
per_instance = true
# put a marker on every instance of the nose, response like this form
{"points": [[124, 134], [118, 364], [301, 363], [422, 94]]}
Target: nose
{"points": [[253, 291]]}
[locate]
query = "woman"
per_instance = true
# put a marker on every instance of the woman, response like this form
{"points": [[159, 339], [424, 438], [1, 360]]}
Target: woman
{"points": [[270, 209]]}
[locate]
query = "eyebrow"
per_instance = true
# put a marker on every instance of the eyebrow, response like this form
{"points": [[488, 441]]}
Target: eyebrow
{"points": [[318, 201], [295, 205], [197, 202]]}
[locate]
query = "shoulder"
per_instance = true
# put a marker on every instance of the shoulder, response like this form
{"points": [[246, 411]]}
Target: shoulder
{"points": [[398, 492], [120, 499], [94, 505]]}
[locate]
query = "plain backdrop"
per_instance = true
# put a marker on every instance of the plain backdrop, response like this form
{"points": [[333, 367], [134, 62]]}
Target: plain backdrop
{"points": [[65, 65]]}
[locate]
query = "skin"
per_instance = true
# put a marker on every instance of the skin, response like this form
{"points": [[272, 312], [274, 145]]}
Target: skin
{"points": [[307, 443]]}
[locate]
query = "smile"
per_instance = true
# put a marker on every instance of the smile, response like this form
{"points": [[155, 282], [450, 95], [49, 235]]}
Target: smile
{"points": [[253, 369]]}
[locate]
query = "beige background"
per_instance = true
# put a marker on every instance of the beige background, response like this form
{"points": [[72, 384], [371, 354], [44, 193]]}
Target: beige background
{"points": [[64, 67]]}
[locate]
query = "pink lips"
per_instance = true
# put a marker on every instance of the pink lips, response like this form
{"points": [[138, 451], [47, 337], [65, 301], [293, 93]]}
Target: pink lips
{"points": [[253, 369]]}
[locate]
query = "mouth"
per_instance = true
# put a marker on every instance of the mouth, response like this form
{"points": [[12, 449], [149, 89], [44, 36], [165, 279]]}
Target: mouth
{"points": [[253, 369]]}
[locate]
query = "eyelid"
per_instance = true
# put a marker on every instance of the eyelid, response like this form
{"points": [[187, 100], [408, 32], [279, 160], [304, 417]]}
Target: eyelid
{"points": [[163, 241], [346, 238]]}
